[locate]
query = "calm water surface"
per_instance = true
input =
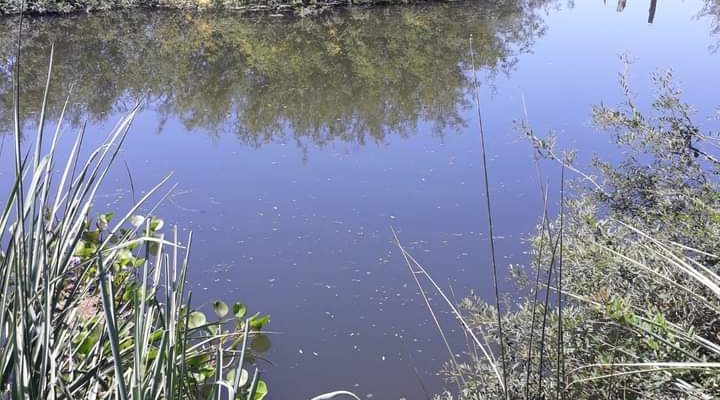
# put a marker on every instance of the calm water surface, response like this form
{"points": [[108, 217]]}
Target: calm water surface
{"points": [[296, 145]]}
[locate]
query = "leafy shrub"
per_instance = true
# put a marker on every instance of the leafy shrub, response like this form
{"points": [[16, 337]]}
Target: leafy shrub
{"points": [[638, 247]]}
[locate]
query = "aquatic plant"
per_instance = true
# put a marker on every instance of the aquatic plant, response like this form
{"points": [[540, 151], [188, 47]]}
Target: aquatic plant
{"points": [[97, 307]]}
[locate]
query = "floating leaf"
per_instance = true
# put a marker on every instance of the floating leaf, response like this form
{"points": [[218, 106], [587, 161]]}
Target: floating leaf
{"points": [[221, 309], [257, 323], [196, 319], [156, 224], [261, 390], [89, 340], [244, 376], [197, 361], [137, 220], [239, 310]]}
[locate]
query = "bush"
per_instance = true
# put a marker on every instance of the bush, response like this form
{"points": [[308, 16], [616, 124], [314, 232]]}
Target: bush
{"points": [[640, 305]]}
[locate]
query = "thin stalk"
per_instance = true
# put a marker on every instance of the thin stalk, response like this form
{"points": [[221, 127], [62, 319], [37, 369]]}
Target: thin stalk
{"points": [[453, 360], [501, 338], [538, 262], [487, 352], [560, 394], [545, 313]]}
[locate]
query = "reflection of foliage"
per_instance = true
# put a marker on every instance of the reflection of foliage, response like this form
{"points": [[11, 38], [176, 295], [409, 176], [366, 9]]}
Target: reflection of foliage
{"points": [[712, 11], [343, 76], [301, 7]]}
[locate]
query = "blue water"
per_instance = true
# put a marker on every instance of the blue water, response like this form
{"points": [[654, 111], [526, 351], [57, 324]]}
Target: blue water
{"points": [[298, 225]]}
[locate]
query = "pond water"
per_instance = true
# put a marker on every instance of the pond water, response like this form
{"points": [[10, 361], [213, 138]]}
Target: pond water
{"points": [[296, 144]]}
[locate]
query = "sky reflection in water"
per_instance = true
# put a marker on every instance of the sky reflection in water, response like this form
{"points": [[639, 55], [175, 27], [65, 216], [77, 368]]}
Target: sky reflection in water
{"points": [[297, 143]]}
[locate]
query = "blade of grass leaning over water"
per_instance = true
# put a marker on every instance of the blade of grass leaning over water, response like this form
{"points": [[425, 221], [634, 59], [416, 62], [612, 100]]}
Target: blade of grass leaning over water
{"points": [[417, 269], [453, 360], [332, 395], [501, 340]]}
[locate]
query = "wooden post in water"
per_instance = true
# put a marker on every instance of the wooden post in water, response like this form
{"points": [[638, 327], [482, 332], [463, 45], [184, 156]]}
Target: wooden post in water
{"points": [[621, 5], [651, 13]]}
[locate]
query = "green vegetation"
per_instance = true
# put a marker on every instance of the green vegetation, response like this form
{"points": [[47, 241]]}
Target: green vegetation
{"points": [[355, 76], [635, 254], [712, 10], [98, 307], [622, 299]]}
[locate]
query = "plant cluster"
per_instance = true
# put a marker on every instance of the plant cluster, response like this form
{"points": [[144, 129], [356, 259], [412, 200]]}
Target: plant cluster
{"points": [[622, 299], [97, 308]]}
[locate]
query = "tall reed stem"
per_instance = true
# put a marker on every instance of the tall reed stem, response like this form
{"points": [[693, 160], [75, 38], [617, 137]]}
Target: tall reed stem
{"points": [[501, 338]]}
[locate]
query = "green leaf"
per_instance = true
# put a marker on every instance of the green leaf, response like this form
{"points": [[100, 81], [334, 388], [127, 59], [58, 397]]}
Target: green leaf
{"points": [[244, 376], [103, 221], [89, 340], [239, 310], [196, 319], [91, 236], [85, 249], [156, 224], [257, 323], [195, 362], [261, 391], [221, 309]]}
